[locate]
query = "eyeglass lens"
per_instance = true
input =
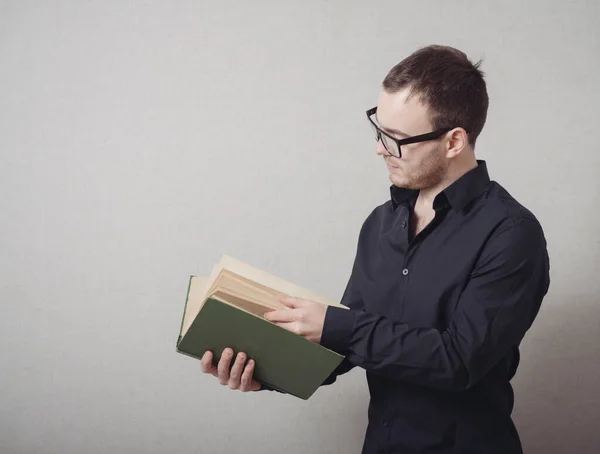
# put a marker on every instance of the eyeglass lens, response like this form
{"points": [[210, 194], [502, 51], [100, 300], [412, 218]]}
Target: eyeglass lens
{"points": [[390, 145]]}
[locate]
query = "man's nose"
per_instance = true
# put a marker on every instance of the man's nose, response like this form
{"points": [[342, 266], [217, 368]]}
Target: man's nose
{"points": [[380, 149]]}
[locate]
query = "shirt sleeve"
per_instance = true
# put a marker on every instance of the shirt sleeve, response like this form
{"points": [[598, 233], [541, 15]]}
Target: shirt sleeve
{"points": [[496, 308]]}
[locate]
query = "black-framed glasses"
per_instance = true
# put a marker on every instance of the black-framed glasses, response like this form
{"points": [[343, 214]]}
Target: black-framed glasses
{"points": [[392, 145]]}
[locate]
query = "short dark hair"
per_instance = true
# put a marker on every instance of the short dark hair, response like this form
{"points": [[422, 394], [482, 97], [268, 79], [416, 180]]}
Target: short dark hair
{"points": [[446, 80]]}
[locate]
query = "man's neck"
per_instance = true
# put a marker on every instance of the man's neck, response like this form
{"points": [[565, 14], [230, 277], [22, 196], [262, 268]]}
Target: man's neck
{"points": [[427, 195]]}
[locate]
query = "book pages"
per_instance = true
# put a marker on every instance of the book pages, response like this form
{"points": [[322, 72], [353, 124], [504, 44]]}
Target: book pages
{"points": [[269, 280], [195, 299]]}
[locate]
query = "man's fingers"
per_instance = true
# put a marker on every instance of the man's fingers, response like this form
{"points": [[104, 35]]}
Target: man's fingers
{"points": [[247, 376], [235, 374], [206, 364], [224, 366], [247, 383], [280, 316], [290, 301]]}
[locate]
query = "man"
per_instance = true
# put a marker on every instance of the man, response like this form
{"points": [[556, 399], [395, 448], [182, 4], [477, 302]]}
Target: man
{"points": [[449, 275]]}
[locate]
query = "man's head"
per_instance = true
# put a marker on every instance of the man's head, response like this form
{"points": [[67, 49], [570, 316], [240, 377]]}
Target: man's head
{"points": [[436, 89]]}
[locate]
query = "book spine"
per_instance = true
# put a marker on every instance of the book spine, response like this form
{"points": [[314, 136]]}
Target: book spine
{"points": [[187, 296]]}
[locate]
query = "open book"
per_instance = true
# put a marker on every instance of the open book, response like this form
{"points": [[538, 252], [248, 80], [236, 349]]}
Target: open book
{"points": [[226, 310]]}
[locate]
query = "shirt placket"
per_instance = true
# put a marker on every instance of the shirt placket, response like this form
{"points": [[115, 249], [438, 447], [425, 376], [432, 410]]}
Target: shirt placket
{"points": [[412, 250]]}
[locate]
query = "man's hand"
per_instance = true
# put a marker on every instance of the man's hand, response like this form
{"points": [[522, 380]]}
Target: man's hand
{"points": [[303, 317], [239, 377]]}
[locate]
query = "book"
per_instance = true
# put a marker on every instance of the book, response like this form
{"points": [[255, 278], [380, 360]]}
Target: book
{"points": [[226, 309]]}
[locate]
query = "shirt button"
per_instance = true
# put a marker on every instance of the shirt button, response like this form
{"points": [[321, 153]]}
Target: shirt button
{"points": [[386, 423], [404, 224], [405, 271]]}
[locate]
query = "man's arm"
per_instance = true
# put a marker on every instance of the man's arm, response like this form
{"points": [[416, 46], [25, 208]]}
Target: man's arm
{"points": [[495, 310]]}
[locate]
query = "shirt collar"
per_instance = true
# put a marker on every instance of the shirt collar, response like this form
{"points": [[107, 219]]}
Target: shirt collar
{"points": [[458, 194]]}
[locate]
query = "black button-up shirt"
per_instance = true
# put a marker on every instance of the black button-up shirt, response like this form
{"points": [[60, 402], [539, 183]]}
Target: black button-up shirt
{"points": [[436, 320]]}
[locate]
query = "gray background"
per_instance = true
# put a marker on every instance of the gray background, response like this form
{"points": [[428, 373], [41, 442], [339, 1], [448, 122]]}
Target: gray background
{"points": [[140, 140]]}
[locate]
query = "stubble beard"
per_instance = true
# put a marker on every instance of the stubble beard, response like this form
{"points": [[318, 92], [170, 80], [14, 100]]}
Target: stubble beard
{"points": [[429, 173]]}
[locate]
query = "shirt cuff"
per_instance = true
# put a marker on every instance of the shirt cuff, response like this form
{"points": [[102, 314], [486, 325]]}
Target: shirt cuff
{"points": [[337, 329]]}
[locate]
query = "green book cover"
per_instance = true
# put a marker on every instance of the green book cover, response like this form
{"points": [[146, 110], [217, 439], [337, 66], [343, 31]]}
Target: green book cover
{"points": [[284, 361]]}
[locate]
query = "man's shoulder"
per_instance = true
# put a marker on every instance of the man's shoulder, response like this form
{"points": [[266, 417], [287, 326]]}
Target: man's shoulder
{"points": [[499, 200], [509, 212]]}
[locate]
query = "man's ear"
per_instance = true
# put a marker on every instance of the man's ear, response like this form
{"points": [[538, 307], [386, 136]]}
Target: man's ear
{"points": [[457, 140]]}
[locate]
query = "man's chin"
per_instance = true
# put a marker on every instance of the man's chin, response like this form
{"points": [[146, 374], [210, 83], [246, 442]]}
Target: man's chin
{"points": [[399, 181]]}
